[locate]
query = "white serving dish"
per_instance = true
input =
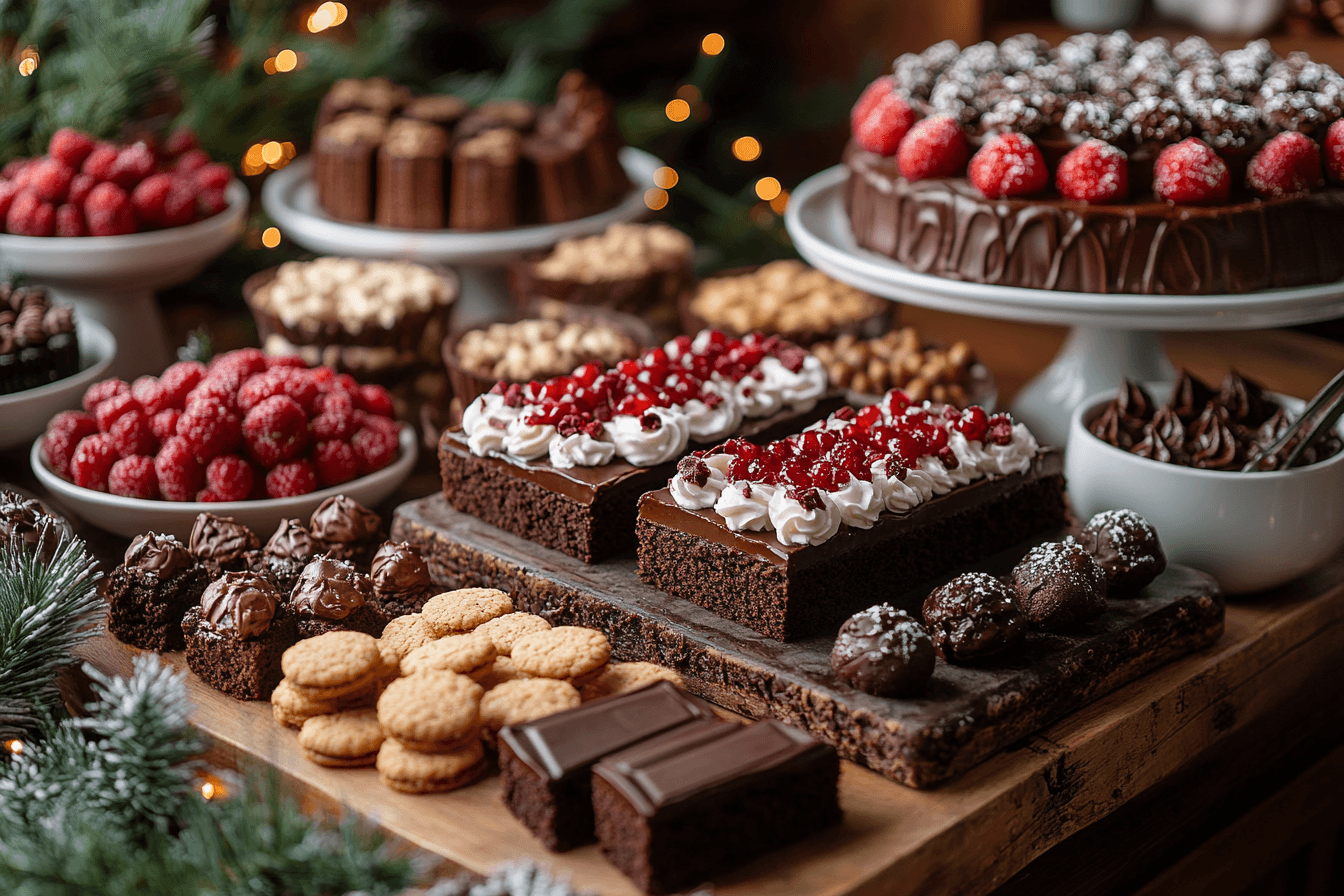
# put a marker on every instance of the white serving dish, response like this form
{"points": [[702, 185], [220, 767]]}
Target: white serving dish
{"points": [[129, 517], [24, 415], [1251, 531]]}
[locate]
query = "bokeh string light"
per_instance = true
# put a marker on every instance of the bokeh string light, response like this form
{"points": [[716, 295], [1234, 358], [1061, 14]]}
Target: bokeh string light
{"points": [[286, 61], [665, 178], [712, 44], [272, 154], [28, 61], [747, 149], [678, 110], [270, 237], [15, 747], [328, 15], [768, 188], [655, 198]]}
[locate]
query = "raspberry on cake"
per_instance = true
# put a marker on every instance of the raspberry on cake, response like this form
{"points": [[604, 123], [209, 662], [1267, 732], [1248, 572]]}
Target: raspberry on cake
{"points": [[1094, 171], [1008, 165]]}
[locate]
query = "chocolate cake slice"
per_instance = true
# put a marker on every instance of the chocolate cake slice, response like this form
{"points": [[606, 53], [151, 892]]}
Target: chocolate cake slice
{"points": [[343, 164], [485, 181], [411, 175], [150, 591]]}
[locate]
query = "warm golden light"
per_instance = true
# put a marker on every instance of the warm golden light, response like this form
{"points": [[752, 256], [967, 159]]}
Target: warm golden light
{"points": [[269, 66], [768, 188], [665, 178], [271, 153], [208, 790], [287, 149], [780, 202], [15, 747], [712, 45], [270, 238], [286, 61], [689, 92], [748, 149], [28, 61], [655, 198], [328, 15], [341, 13], [678, 110]]}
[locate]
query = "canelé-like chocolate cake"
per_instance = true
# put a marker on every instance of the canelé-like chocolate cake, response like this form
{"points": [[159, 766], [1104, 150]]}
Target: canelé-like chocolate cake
{"points": [[1138, 98], [794, 537]]}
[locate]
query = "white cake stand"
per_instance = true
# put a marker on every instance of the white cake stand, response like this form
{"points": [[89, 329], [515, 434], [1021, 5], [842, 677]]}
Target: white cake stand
{"points": [[1113, 336], [112, 279], [290, 198]]}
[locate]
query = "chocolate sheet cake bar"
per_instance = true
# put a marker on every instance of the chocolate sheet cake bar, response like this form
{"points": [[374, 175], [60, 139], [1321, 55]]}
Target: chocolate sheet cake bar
{"points": [[793, 537], [563, 463]]}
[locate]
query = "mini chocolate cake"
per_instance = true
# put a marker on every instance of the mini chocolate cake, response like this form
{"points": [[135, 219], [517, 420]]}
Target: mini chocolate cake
{"points": [[221, 543], [513, 115], [330, 596], [25, 525], [884, 652], [285, 555], [1126, 547], [544, 764], [38, 344], [1058, 586], [344, 529], [411, 175], [378, 96], [401, 582], [443, 110], [150, 591], [343, 164], [236, 635], [706, 798], [485, 181], [973, 616]]}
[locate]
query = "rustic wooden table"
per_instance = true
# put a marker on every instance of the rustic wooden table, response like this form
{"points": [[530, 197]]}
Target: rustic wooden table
{"points": [[1222, 772]]}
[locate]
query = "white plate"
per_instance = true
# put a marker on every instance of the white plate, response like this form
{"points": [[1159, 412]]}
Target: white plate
{"points": [[290, 198], [129, 517], [24, 415], [817, 222]]}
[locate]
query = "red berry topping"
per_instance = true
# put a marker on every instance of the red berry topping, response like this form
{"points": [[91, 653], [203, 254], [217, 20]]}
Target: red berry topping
{"points": [[274, 361], [336, 462], [1334, 151], [134, 163], [98, 164], [101, 391], [108, 211], [70, 147], [180, 473], [30, 216], [1094, 171], [1191, 173], [164, 424], [179, 379], [93, 459], [134, 477], [64, 432], [870, 415], [50, 180], [148, 198], [13, 167], [291, 479], [882, 120], [1001, 429], [934, 147], [107, 412], [230, 477], [210, 429], [213, 177], [1288, 165], [247, 361], [70, 221], [180, 141], [131, 434], [1008, 165], [376, 400], [974, 424], [275, 431], [220, 387], [375, 448]]}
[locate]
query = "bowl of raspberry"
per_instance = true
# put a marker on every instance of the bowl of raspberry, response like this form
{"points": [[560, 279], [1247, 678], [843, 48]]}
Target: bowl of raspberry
{"points": [[249, 436]]}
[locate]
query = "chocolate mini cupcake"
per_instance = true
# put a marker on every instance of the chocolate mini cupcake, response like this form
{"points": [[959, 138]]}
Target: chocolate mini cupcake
{"points": [[515, 115], [559, 169], [883, 651], [285, 555], [150, 591], [221, 543], [378, 96], [443, 110], [343, 164], [25, 525], [236, 635], [401, 582], [346, 530], [411, 175], [331, 595], [485, 181], [38, 344]]}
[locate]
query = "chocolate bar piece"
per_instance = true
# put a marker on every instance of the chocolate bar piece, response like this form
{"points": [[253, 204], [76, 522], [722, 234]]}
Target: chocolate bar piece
{"points": [[703, 799], [544, 765]]}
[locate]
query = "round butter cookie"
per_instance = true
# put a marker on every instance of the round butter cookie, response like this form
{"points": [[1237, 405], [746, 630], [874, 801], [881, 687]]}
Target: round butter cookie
{"points": [[567, 651], [432, 712], [454, 612], [507, 629], [410, 771], [342, 740], [621, 678], [467, 654], [333, 664]]}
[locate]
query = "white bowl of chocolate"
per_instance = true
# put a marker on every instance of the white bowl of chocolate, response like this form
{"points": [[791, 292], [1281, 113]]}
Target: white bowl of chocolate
{"points": [[1178, 464]]}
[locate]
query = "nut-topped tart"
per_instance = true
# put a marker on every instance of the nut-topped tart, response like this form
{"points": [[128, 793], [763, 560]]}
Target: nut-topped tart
{"points": [[563, 462], [790, 537]]}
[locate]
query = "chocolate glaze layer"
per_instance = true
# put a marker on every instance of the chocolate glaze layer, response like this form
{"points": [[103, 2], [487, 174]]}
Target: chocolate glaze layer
{"points": [[162, 555], [240, 604], [944, 226], [221, 538], [330, 589]]}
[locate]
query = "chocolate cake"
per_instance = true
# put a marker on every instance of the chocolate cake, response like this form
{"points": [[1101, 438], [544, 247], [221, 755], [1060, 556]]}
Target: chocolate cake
{"points": [[883, 651], [38, 343], [346, 530], [401, 582], [343, 164], [544, 764], [972, 617], [236, 635], [150, 591], [410, 178], [330, 595], [1138, 98], [708, 797], [378, 96], [485, 181], [569, 475], [793, 537], [285, 555], [221, 543]]}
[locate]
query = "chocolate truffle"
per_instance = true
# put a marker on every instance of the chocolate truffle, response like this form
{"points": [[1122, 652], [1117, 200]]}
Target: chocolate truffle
{"points": [[285, 555], [401, 582], [236, 635], [331, 595], [23, 523], [150, 591], [1058, 585], [1126, 548], [883, 651], [346, 530], [221, 543], [973, 616]]}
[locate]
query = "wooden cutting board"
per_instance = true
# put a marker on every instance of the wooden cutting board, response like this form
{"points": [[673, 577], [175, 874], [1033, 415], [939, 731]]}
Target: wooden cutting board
{"points": [[967, 714]]}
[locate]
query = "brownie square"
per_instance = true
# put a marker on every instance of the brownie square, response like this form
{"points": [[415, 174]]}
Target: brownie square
{"points": [[243, 668], [146, 612]]}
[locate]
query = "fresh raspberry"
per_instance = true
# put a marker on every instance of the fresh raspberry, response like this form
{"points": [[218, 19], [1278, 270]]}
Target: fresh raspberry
{"points": [[215, 176], [1094, 171], [180, 141], [50, 180], [8, 190], [336, 401], [64, 432], [210, 496], [278, 381], [211, 202], [881, 118], [30, 216], [332, 425], [276, 430], [80, 186], [1190, 172], [164, 424], [1334, 151], [134, 163], [180, 473], [23, 178], [374, 447], [210, 429], [934, 147], [375, 400], [274, 361], [131, 434], [1008, 165], [108, 211], [179, 206], [151, 394], [230, 477], [373, 421], [190, 161], [347, 383], [324, 377], [14, 166], [246, 360], [335, 462], [148, 198], [93, 458], [108, 411], [298, 385], [134, 477], [1288, 165], [289, 480], [220, 387], [99, 163], [179, 379], [70, 221], [257, 388], [101, 391], [70, 147]]}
